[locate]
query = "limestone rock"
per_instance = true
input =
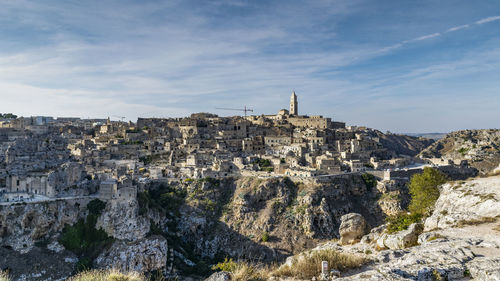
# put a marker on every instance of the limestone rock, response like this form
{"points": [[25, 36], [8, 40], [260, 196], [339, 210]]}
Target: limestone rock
{"points": [[219, 276], [374, 234], [466, 202], [484, 268], [120, 220], [402, 239], [352, 227], [143, 255], [21, 225]]}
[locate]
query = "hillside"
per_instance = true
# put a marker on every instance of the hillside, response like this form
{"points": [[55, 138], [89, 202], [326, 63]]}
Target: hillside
{"points": [[480, 147], [403, 144], [460, 241]]}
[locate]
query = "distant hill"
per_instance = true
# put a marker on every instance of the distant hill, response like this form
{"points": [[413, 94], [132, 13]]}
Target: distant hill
{"points": [[433, 136], [404, 144], [480, 147]]}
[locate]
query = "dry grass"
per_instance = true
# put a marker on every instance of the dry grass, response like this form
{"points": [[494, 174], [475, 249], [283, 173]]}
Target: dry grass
{"points": [[244, 271], [4, 276], [107, 275], [496, 228], [310, 266], [476, 221], [435, 237]]}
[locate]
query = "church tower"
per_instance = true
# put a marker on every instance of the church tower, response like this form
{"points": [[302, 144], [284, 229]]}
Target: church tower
{"points": [[294, 110]]}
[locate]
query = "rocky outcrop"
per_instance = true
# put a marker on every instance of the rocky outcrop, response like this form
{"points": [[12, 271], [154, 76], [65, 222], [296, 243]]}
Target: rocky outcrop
{"points": [[219, 276], [39, 264], [403, 144], [456, 250], [352, 227], [480, 147], [402, 239], [22, 224], [120, 220], [230, 217], [466, 202], [144, 255]]}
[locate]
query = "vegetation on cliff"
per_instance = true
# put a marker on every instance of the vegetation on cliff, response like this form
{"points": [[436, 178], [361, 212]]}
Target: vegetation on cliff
{"points": [[83, 238], [107, 275], [424, 193]]}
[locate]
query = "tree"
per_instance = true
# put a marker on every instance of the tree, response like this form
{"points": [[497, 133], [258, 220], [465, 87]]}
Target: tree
{"points": [[424, 190]]}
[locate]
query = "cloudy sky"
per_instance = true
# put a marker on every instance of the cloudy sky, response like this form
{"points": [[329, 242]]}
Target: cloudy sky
{"points": [[403, 66]]}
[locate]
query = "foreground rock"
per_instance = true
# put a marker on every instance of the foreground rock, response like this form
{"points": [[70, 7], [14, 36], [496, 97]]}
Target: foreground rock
{"points": [[402, 239], [143, 256], [457, 250], [466, 202], [219, 276], [353, 226]]}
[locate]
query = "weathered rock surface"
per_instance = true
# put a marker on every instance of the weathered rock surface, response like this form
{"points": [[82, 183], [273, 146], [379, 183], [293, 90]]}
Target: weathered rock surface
{"points": [[21, 225], [481, 148], [120, 220], [39, 264], [143, 255], [352, 227], [230, 216], [402, 239], [466, 202], [452, 252], [219, 276]]}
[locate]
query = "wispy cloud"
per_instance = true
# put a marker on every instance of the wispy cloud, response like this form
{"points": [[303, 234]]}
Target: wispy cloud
{"points": [[488, 19], [427, 36], [171, 58], [455, 28]]}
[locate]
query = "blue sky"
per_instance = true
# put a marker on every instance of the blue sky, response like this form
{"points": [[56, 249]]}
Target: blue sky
{"points": [[403, 66]]}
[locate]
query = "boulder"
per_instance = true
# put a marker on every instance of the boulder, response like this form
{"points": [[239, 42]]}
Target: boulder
{"points": [[144, 255], [402, 239], [219, 276], [352, 227]]}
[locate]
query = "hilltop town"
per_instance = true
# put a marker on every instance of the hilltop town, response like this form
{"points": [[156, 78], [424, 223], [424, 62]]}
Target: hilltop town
{"points": [[43, 157], [174, 196]]}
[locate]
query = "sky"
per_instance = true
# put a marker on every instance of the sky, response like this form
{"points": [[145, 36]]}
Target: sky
{"points": [[402, 66]]}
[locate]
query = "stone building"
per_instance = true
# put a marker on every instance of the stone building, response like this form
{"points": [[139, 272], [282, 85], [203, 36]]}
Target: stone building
{"points": [[294, 109]]}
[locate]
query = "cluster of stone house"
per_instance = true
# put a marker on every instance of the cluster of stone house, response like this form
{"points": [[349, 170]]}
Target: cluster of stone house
{"points": [[43, 156]]}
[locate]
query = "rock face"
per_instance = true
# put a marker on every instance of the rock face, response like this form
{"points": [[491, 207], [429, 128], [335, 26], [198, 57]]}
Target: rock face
{"points": [[481, 148], [219, 276], [466, 202], [402, 144], [402, 239], [353, 226], [454, 251], [230, 216], [143, 255], [23, 224], [120, 220]]}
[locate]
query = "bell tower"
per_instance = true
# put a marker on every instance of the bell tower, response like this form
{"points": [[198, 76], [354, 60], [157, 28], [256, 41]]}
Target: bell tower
{"points": [[294, 110]]}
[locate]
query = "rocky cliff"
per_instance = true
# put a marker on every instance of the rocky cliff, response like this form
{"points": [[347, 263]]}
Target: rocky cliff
{"points": [[257, 219], [460, 241], [403, 144], [480, 147]]}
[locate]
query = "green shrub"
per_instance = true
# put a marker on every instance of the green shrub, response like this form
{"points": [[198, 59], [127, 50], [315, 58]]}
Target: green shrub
{"points": [[401, 221], [370, 180], [163, 197], [264, 237], [83, 238], [227, 265], [96, 207], [424, 190]]}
